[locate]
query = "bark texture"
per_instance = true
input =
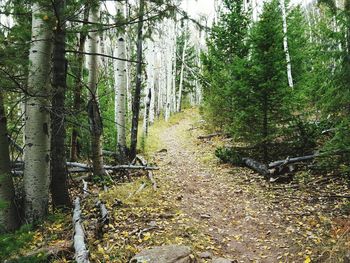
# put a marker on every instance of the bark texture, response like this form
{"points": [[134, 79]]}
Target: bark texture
{"points": [[178, 108], [37, 127], [8, 213], [93, 105], [59, 184], [120, 93]]}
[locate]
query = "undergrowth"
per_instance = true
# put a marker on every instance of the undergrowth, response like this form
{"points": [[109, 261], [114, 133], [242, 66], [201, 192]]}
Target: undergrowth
{"points": [[141, 220]]}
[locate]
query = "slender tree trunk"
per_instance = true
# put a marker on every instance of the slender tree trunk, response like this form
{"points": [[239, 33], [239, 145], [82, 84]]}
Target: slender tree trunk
{"points": [[59, 184], [254, 10], [78, 86], [93, 105], [168, 72], [173, 72], [137, 94], [37, 128], [8, 213], [182, 75], [150, 80], [146, 113], [285, 44], [120, 92], [152, 106]]}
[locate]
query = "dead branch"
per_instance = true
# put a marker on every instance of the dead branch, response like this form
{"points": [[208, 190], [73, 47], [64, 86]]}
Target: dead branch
{"points": [[149, 173], [88, 168], [104, 212], [81, 253], [256, 166], [292, 160], [143, 185], [85, 188]]}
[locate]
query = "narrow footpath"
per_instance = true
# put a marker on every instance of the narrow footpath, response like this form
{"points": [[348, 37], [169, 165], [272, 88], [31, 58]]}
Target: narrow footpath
{"points": [[246, 218]]}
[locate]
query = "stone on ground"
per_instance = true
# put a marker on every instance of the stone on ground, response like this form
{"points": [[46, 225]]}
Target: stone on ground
{"points": [[223, 260], [165, 254]]}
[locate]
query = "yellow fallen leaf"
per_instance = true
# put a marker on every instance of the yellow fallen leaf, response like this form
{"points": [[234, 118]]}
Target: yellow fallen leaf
{"points": [[146, 236], [307, 259]]}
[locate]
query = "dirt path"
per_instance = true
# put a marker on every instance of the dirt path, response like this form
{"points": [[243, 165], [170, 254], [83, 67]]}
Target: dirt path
{"points": [[248, 221]]}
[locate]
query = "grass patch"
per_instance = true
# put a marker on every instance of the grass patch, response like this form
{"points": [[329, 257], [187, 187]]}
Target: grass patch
{"points": [[144, 220], [13, 243], [25, 244]]}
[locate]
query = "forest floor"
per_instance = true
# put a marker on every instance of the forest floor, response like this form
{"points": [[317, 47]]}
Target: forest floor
{"points": [[215, 208], [247, 218]]}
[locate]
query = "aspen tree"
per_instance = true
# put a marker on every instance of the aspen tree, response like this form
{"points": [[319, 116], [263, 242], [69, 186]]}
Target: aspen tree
{"points": [[93, 105], [37, 126], [120, 75], [178, 109], [285, 44]]}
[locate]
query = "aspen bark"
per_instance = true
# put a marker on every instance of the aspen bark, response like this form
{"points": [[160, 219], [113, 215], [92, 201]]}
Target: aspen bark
{"points": [[149, 93], [8, 214], [146, 112], [168, 73], [285, 44], [182, 75], [152, 82], [120, 92], [37, 127], [93, 105]]}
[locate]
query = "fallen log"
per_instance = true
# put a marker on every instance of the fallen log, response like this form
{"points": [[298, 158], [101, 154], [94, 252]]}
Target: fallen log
{"points": [[292, 160], [85, 188], [81, 254], [74, 167], [88, 168], [256, 166], [149, 172], [104, 213]]}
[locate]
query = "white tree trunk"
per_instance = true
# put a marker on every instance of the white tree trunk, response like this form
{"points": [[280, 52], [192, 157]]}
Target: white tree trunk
{"points": [[150, 72], [93, 106], [178, 109], [254, 10], [169, 69], [153, 93], [37, 128], [285, 44], [120, 71]]}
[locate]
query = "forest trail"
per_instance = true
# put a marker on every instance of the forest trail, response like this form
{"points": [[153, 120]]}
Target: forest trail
{"points": [[247, 219], [234, 217]]}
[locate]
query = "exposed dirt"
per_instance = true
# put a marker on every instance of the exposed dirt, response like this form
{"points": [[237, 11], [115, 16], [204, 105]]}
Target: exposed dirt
{"points": [[249, 219]]}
